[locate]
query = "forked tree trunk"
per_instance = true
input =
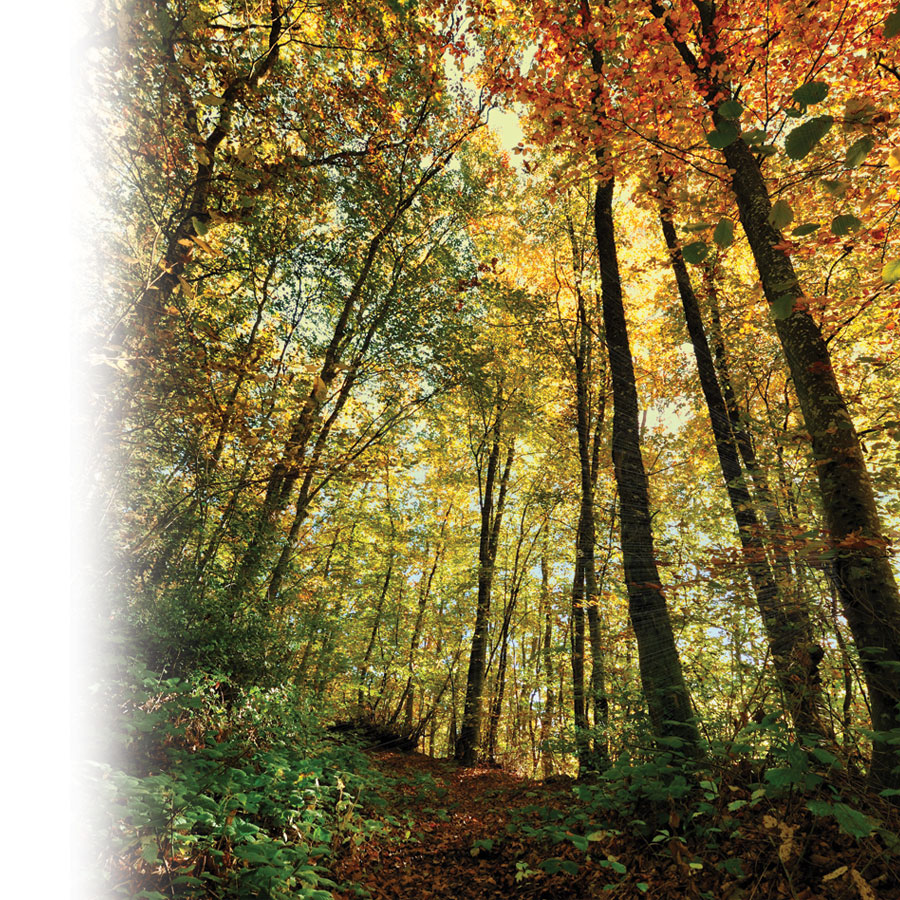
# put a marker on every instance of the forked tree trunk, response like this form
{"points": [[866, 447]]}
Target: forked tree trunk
{"points": [[491, 517]]}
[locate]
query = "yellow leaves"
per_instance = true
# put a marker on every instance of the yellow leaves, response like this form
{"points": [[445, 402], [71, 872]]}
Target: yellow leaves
{"points": [[863, 888], [319, 389], [204, 246], [835, 874], [893, 160], [787, 845]]}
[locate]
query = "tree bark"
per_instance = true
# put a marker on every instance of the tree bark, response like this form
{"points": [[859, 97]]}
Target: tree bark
{"points": [[661, 675], [787, 625], [865, 580], [470, 730]]}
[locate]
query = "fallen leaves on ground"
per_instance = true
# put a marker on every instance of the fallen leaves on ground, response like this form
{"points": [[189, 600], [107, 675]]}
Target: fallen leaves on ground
{"points": [[460, 836]]}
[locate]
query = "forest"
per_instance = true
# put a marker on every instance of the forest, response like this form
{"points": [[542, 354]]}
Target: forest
{"points": [[492, 449]]}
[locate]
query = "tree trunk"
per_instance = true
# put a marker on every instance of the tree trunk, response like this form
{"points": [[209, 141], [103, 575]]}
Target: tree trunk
{"points": [[787, 625], [548, 710], [865, 580], [470, 731], [661, 675], [579, 709]]}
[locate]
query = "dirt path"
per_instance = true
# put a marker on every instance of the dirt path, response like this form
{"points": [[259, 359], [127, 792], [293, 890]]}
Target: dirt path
{"points": [[449, 841], [450, 810]]}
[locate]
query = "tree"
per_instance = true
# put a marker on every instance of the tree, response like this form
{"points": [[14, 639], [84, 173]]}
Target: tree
{"points": [[862, 569]]}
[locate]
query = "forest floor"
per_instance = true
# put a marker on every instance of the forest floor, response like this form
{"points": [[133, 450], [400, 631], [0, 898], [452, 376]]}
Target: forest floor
{"points": [[476, 833]]}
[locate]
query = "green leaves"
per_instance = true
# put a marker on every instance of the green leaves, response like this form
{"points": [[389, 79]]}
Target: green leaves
{"points": [[841, 225], [781, 215], [852, 821], [554, 864], [811, 92], [726, 133], [836, 187], [486, 844], [803, 138], [892, 24], [695, 252], [781, 309], [724, 233], [858, 152], [803, 230], [731, 109]]}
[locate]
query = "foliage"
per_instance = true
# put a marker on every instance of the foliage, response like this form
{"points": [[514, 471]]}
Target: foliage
{"points": [[245, 799], [324, 275]]}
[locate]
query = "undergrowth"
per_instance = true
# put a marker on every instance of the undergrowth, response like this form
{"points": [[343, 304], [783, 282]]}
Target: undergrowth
{"points": [[764, 799], [223, 793]]}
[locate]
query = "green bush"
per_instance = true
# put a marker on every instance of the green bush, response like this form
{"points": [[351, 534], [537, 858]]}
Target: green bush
{"points": [[242, 799]]}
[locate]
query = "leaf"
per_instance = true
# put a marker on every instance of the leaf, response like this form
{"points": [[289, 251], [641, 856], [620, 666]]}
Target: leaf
{"points": [[755, 136], [781, 215], [852, 821], [835, 874], [736, 805], [891, 271], [824, 756], [803, 138], [811, 92], [210, 100], [781, 309], [892, 24], [863, 888], [841, 225], [733, 866], [858, 111], [200, 226], [858, 152], [580, 842], [820, 807], [726, 133], [836, 187], [554, 864], [731, 109], [149, 850], [808, 228], [204, 246], [695, 252], [724, 233]]}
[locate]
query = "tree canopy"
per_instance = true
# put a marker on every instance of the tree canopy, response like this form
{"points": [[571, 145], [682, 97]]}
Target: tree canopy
{"points": [[573, 452]]}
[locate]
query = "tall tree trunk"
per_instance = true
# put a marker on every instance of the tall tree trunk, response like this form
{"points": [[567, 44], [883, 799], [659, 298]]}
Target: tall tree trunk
{"points": [[470, 731], [865, 580], [740, 429], [584, 590], [579, 707], [548, 710], [787, 625], [661, 675], [363, 694]]}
